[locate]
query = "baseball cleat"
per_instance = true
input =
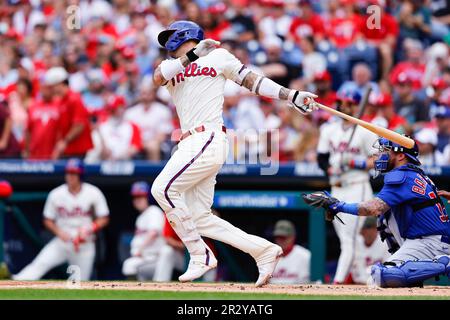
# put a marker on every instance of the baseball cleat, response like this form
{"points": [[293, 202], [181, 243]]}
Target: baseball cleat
{"points": [[198, 266], [268, 262]]}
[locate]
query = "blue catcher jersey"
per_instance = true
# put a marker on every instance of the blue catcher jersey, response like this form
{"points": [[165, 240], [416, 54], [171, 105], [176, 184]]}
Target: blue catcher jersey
{"points": [[414, 202]]}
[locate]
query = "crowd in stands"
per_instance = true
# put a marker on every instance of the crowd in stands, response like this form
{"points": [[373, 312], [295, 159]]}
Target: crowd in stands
{"points": [[75, 75]]}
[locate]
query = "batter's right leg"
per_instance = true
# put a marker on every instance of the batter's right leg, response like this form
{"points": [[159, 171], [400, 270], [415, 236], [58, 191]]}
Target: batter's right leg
{"points": [[52, 255], [195, 159]]}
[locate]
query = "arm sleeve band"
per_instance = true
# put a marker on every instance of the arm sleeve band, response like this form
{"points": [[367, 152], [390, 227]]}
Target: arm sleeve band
{"points": [[268, 88], [170, 68], [243, 72]]}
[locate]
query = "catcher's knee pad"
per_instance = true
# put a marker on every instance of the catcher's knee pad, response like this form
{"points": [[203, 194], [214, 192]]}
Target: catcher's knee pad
{"points": [[182, 222], [407, 274]]}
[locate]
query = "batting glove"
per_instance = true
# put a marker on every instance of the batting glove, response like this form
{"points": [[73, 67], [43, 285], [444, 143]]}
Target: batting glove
{"points": [[202, 49], [303, 101]]}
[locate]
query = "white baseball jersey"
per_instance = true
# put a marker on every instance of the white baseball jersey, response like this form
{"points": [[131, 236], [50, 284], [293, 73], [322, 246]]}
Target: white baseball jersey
{"points": [[70, 212], [150, 219], [366, 256], [293, 268], [198, 92], [334, 140]]}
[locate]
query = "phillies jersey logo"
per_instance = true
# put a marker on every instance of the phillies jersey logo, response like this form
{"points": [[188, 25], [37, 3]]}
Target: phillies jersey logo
{"points": [[194, 70], [74, 213], [343, 147]]}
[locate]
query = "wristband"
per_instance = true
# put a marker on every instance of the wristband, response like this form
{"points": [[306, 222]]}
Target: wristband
{"points": [[191, 55], [349, 208], [358, 164]]}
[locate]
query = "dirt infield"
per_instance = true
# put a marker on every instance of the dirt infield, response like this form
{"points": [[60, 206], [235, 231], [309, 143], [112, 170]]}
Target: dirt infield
{"points": [[338, 290]]}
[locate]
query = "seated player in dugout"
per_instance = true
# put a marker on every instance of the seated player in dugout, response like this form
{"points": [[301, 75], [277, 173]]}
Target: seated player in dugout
{"points": [[148, 237], [411, 218]]}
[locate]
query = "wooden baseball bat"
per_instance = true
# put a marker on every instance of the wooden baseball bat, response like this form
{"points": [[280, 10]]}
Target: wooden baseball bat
{"points": [[382, 132]]}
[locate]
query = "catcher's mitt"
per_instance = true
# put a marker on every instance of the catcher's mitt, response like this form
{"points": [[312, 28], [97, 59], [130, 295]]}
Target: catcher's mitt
{"points": [[322, 199]]}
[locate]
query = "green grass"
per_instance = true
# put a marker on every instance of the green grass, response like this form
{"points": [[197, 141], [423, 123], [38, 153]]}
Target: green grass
{"points": [[76, 294]]}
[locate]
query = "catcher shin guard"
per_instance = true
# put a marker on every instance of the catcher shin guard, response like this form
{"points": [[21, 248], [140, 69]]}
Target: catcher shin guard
{"points": [[409, 273], [183, 224]]}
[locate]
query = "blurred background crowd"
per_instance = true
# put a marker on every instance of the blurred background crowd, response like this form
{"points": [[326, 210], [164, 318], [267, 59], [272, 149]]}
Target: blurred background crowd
{"points": [[75, 75]]}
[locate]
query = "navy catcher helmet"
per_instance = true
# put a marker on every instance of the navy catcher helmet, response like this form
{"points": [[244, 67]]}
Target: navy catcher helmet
{"points": [[74, 166], [384, 145], [140, 189], [178, 33]]}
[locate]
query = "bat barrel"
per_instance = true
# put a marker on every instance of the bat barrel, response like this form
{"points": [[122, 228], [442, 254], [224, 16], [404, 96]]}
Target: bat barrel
{"points": [[380, 131]]}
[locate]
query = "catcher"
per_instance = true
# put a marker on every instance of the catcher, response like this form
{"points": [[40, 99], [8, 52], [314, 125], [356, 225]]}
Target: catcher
{"points": [[411, 218]]}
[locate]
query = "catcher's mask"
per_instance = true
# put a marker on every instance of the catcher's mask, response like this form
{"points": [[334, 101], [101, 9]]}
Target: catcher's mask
{"points": [[384, 146]]}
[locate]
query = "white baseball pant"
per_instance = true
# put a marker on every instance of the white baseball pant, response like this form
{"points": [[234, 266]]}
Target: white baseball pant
{"points": [[57, 252], [141, 267], [347, 233], [187, 183]]}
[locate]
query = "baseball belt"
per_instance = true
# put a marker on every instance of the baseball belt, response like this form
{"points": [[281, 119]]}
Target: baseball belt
{"points": [[198, 129]]}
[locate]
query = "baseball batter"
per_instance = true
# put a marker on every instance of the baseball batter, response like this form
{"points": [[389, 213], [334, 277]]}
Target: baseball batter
{"points": [[195, 79], [347, 166], [412, 219], [148, 239], [73, 212]]}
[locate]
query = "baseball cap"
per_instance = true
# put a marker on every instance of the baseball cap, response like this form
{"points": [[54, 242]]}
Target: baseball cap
{"points": [[218, 8], [284, 228], [74, 165], [442, 112], [55, 75], [322, 76], [384, 100], [439, 83], [402, 78], [370, 222], [140, 189], [115, 102]]}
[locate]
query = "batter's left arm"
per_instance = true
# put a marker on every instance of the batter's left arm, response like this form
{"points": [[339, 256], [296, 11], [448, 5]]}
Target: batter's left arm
{"points": [[303, 101]]}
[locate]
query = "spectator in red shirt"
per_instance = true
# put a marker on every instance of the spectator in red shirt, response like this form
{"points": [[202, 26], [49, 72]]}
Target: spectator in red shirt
{"points": [[43, 126], [343, 29], [307, 24], [383, 36], [214, 22], [327, 96], [413, 66], [75, 132], [9, 147]]}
